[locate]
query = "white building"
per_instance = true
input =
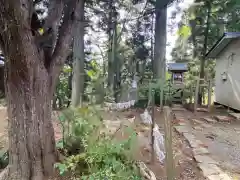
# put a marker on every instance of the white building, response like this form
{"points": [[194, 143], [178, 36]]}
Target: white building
{"points": [[227, 79]]}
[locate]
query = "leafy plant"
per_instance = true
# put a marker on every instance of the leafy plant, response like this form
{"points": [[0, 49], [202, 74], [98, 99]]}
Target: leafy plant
{"points": [[63, 90], [101, 156], [154, 85]]}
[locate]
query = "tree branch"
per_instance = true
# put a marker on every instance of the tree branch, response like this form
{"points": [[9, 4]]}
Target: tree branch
{"points": [[48, 40], [53, 20], [62, 48]]}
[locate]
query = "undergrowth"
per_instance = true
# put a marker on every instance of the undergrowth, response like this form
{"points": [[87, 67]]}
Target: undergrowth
{"points": [[92, 154]]}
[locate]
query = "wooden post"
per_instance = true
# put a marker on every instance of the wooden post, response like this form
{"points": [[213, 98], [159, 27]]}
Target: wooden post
{"points": [[196, 96], [209, 95], [168, 142], [153, 124]]}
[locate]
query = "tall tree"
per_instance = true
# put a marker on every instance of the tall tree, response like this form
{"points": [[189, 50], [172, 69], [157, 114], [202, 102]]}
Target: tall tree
{"points": [[160, 40], [206, 20], [78, 59], [205, 45], [33, 63], [159, 61]]}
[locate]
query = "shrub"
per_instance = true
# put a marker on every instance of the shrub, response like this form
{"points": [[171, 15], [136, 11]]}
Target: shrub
{"points": [[101, 156], [146, 89]]}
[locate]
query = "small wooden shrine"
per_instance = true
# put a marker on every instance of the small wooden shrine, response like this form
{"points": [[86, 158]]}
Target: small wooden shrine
{"points": [[177, 78]]}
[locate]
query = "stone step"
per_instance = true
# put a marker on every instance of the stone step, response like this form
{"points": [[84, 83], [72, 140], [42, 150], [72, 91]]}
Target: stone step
{"points": [[209, 120], [205, 159], [221, 176], [182, 129], [223, 118], [197, 121], [178, 109], [200, 151], [202, 109], [235, 115]]}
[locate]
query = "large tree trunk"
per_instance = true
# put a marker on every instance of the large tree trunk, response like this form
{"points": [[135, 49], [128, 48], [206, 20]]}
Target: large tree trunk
{"points": [[115, 60], [29, 93], [110, 47], [31, 71], [31, 134], [159, 62], [203, 59], [78, 60]]}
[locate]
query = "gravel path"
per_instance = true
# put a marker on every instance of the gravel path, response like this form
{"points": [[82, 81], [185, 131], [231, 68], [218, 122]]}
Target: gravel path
{"points": [[223, 143], [220, 138]]}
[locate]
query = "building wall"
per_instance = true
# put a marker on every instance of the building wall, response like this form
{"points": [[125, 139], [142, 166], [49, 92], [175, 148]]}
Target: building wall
{"points": [[228, 92]]}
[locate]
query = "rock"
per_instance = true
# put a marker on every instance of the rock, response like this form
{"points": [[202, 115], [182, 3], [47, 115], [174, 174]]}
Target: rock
{"points": [[131, 119], [211, 136], [197, 121], [193, 142], [182, 124], [196, 144], [221, 176], [189, 137], [235, 115], [198, 128], [209, 169], [200, 150], [223, 118], [206, 125], [204, 159], [202, 110], [209, 120], [182, 129]]}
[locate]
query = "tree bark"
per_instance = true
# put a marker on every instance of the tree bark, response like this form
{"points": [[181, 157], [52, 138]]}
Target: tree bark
{"points": [[31, 75], [159, 62], [203, 59], [110, 46], [31, 134], [78, 60], [29, 93]]}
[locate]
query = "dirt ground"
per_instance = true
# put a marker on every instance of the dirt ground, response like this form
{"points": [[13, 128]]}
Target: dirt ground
{"points": [[185, 165]]}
